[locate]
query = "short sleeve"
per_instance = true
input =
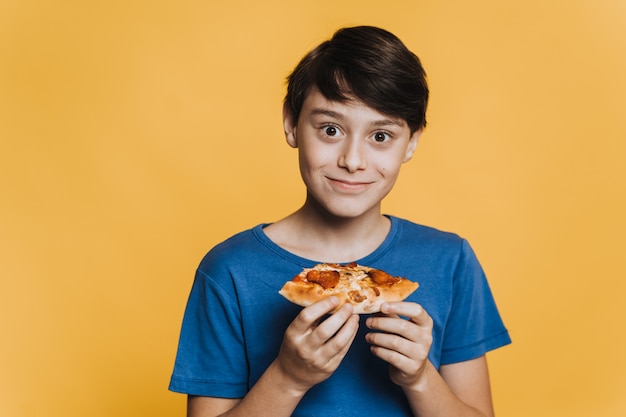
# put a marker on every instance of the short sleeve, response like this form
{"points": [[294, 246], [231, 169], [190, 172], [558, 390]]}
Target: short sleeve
{"points": [[211, 355], [474, 325]]}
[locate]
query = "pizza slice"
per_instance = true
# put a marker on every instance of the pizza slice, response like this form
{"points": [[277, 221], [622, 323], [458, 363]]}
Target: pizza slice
{"points": [[364, 287]]}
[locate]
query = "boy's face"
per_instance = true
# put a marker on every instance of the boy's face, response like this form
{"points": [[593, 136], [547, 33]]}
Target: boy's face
{"points": [[350, 154]]}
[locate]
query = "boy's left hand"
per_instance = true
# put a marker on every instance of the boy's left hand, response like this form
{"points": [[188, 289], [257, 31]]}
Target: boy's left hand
{"points": [[404, 344]]}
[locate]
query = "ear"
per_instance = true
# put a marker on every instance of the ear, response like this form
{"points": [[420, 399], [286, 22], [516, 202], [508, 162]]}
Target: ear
{"points": [[289, 125], [412, 145]]}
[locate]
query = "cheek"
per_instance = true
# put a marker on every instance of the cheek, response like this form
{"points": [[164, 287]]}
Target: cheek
{"points": [[389, 169], [309, 167], [311, 157], [307, 162]]}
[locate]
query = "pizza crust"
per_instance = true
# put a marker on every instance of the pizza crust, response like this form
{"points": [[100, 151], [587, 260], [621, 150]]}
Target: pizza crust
{"points": [[364, 287]]}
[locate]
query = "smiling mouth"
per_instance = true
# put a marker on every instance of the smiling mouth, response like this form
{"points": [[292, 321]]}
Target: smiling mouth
{"points": [[349, 185]]}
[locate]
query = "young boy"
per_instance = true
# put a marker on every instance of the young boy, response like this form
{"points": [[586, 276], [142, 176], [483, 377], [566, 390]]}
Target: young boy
{"points": [[355, 109]]}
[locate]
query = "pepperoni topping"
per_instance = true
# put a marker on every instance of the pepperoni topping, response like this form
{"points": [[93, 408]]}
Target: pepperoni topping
{"points": [[327, 279], [382, 278]]}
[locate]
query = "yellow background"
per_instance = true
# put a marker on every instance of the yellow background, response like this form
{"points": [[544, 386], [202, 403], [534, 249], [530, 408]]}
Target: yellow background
{"points": [[135, 135]]}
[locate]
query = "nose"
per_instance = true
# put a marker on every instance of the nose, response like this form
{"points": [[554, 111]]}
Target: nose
{"points": [[353, 157]]}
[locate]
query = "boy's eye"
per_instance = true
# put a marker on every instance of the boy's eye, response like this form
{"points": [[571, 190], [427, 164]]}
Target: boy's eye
{"points": [[380, 136], [331, 131]]}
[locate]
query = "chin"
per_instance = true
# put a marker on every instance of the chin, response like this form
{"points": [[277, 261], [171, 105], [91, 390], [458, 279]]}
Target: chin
{"points": [[344, 207], [348, 213]]}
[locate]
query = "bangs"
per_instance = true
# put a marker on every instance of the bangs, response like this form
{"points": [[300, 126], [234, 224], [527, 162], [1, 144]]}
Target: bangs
{"points": [[365, 64], [333, 81]]}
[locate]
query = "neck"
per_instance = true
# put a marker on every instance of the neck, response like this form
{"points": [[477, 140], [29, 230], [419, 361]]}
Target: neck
{"points": [[314, 234], [320, 222]]}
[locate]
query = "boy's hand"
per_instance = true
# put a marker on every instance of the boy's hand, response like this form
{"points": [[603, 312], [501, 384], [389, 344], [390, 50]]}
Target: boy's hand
{"points": [[404, 344], [312, 349]]}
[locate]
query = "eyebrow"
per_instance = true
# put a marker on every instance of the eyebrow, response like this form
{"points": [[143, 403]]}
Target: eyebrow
{"points": [[336, 115], [326, 112]]}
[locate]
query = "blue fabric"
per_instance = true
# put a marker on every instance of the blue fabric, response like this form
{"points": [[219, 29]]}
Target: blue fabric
{"points": [[235, 319]]}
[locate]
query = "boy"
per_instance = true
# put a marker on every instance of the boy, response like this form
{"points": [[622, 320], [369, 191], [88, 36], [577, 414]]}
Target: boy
{"points": [[355, 109]]}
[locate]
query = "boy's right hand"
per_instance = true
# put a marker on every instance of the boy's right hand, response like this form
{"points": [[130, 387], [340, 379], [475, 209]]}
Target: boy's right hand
{"points": [[313, 349]]}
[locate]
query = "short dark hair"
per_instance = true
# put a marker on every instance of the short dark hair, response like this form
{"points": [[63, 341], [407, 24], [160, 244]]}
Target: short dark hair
{"points": [[366, 63]]}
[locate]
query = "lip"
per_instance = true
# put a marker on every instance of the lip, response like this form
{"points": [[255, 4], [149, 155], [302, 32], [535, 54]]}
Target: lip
{"points": [[349, 185]]}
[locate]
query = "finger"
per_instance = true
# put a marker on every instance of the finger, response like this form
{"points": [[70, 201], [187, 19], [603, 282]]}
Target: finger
{"points": [[329, 327], [339, 344], [415, 312], [390, 342], [310, 315], [398, 326], [389, 346], [402, 362]]}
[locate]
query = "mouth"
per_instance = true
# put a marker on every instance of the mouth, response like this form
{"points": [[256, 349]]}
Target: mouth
{"points": [[349, 185]]}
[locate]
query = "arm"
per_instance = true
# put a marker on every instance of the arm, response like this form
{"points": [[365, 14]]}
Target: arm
{"points": [[311, 351], [460, 389]]}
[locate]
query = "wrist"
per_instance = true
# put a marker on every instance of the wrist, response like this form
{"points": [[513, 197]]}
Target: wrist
{"points": [[421, 384], [285, 382]]}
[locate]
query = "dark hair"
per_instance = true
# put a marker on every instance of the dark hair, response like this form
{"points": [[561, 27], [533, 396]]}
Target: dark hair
{"points": [[365, 63]]}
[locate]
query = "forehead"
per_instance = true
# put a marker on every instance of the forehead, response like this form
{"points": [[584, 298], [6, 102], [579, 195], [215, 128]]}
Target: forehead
{"points": [[352, 108]]}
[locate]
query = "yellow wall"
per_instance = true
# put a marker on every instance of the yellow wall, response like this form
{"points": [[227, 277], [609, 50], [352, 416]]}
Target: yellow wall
{"points": [[135, 135]]}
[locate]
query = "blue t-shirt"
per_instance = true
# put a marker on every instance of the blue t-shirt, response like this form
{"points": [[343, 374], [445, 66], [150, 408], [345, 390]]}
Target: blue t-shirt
{"points": [[235, 319]]}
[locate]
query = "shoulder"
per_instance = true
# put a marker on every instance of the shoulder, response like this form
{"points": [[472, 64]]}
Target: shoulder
{"points": [[245, 246], [245, 254], [409, 231], [239, 241], [433, 251]]}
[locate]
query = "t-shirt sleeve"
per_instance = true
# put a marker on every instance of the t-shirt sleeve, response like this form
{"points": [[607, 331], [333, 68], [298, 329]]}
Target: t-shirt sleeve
{"points": [[474, 325], [211, 356]]}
